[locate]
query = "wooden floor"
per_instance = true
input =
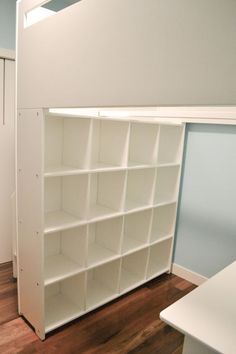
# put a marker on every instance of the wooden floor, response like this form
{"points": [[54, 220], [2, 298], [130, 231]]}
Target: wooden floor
{"points": [[130, 324]]}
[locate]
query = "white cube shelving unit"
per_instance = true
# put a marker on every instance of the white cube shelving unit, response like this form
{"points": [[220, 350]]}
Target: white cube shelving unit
{"points": [[96, 210]]}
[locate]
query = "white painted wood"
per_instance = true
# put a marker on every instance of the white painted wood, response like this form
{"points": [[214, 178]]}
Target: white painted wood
{"points": [[66, 144], [97, 244], [167, 183], [104, 241], [7, 158], [30, 186], [174, 115], [211, 308], [133, 269], [65, 201], [187, 274], [136, 231], [64, 301], [107, 134], [138, 193], [106, 193], [65, 254], [102, 284], [163, 222], [159, 257], [170, 144], [143, 144]]}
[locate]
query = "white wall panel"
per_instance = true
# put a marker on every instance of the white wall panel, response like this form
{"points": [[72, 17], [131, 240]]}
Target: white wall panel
{"points": [[129, 53]]}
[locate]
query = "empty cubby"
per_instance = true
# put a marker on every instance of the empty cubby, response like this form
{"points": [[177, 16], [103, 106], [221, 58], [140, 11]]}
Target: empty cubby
{"points": [[136, 230], [163, 222], [159, 258], [66, 144], [139, 191], [133, 269], [143, 144], [65, 200], [104, 239], [109, 144], [170, 144], [65, 253], [102, 284], [167, 182], [64, 301], [106, 193]]}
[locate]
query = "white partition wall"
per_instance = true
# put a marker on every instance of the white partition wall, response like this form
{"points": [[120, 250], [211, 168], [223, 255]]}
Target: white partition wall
{"points": [[154, 58], [97, 202]]}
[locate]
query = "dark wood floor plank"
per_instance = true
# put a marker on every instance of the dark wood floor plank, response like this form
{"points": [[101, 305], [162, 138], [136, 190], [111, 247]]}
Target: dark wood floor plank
{"points": [[128, 325], [8, 294]]}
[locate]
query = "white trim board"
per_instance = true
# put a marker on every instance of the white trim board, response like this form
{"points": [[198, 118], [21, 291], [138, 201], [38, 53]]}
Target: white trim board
{"points": [[176, 115], [7, 54], [188, 274]]}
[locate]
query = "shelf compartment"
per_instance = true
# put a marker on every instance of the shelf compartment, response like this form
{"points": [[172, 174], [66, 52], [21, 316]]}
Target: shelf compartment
{"points": [[102, 284], [64, 301], [104, 239], [139, 191], [66, 144], [65, 254], [159, 258], [170, 144], [65, 201], [109, 144], [163, 222], [106, 194], [136, 231], [143, 144], [167, 182], [133, 270]]}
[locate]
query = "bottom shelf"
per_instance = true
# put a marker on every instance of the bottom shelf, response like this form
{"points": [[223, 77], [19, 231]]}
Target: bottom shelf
{"points": [[64, 301], [72, 297], [129, 280], [98, 294], [59, 310]]}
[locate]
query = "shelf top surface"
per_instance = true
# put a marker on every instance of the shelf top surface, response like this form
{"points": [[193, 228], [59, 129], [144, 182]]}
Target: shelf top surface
{"points": [[208, 313]]}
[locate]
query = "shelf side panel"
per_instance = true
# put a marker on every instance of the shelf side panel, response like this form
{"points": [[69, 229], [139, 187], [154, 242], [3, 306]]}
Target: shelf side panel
{"points": [[30, 217]]}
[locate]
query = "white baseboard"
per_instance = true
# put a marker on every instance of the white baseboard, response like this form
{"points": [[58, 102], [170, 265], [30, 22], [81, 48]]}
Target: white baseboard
{"points": [[187, 274]]}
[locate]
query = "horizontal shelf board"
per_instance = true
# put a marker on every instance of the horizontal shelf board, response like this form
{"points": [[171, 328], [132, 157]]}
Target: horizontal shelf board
{"points": [[134, 205], [163, 203], [59, 267], [128, 280], [161, 239], [57, 171], [131, 244], [98, 255], [105, 166], [168, 164], [138, 165], [59, 311], [60, 220], [97, 294], [157, 274], [98, 212]]}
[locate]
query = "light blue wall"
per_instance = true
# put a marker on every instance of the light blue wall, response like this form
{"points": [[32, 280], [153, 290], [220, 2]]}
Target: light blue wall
{"points": [[206, 224], [7, 23]]}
